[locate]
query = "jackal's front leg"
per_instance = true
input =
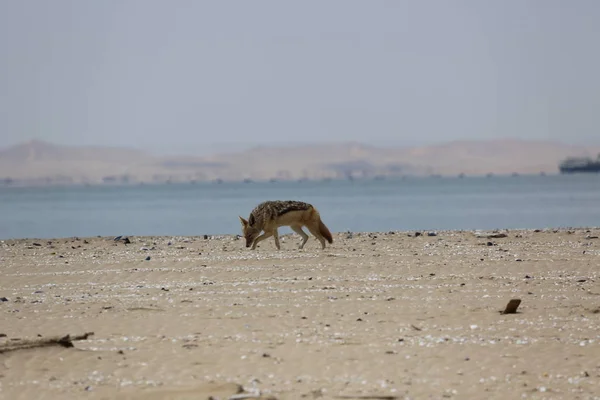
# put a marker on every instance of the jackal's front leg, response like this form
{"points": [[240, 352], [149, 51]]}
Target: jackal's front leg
{"points": [[276, 237], [261, 238]]}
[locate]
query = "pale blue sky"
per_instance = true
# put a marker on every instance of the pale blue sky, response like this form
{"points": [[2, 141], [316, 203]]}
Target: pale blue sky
{"points": [[195, 76]]}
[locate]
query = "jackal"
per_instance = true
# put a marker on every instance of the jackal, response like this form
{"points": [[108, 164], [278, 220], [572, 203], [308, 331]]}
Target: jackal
{"points": [[270, 215]]}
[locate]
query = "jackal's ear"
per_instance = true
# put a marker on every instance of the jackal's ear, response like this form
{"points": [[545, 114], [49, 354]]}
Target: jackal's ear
{"points": [[243, 221]]}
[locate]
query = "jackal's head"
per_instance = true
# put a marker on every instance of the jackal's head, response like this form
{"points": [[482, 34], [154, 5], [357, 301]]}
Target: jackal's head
{"points": [[250, 233]]}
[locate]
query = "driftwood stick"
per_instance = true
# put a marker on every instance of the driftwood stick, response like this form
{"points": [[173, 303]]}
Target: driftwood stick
{"points": [[63, 341], [511, 307]]}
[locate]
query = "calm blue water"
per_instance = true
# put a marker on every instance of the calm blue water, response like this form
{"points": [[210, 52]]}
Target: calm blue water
{"points": [[208, 208]]}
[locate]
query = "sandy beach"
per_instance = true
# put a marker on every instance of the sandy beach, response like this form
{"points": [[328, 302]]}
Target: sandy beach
{"points": [[376, 315]]}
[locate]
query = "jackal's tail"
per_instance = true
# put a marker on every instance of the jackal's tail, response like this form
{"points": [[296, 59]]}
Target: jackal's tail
{"points": [[325, 232]]}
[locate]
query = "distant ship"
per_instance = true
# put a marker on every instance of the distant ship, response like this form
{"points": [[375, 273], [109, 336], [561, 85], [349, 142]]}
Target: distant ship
{"points": [[579, 164]]}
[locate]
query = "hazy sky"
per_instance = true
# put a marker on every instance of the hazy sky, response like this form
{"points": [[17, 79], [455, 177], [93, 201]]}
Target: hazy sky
{"points": [[192, 75]]}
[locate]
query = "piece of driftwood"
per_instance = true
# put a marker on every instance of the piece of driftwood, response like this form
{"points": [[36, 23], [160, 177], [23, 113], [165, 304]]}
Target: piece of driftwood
{"points": [[511, 307], [63, 341]]}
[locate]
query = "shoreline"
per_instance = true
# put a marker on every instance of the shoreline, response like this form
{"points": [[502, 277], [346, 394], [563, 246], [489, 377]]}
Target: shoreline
{"points": [[237, 236], [24, 184], [376, 314]]}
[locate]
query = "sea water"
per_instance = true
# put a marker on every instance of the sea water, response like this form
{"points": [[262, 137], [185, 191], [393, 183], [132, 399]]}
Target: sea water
{"points": [[408, 204]]}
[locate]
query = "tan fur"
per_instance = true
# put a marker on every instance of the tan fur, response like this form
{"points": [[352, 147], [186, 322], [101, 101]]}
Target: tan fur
{"points": [[270, 215]]}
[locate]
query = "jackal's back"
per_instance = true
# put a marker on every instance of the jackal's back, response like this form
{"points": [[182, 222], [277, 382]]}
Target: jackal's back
{"points": [[271, 210]]}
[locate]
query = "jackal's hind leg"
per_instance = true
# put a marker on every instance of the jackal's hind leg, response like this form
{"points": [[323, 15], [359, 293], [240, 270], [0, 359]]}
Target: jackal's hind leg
{"points": [[299, 231], [315, 231]]}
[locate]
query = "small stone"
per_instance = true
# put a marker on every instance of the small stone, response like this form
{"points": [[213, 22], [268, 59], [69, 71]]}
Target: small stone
{"points": [[3, 299], [148, 258], [205, 237], [511, 307], [417, 234], [431, 234], [490, 243]]}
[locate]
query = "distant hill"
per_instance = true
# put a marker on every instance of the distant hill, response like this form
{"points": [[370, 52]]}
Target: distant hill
{"points": [[38, 162], [41, 162]]}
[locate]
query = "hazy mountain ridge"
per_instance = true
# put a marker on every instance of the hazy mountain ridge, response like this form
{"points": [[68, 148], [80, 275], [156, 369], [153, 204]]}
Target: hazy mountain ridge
{"points": [[38, 162]]}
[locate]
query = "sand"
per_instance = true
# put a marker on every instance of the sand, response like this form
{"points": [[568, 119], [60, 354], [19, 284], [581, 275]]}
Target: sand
{"points": [[379, 315]]}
